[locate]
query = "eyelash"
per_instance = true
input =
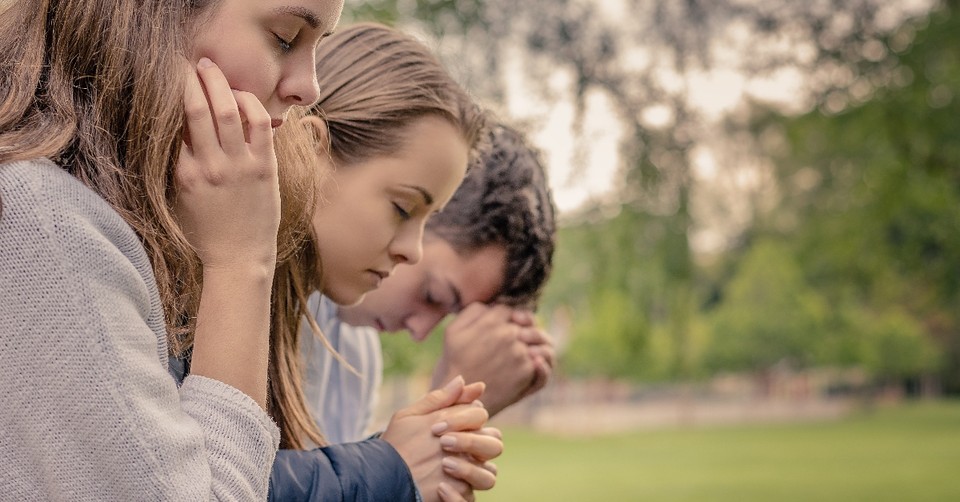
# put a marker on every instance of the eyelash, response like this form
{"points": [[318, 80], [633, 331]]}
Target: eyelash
{"points": [[404, 214], [284, 45]]}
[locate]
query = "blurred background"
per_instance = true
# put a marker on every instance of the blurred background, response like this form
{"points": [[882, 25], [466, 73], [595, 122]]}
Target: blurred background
{"points": [[756, 293]]}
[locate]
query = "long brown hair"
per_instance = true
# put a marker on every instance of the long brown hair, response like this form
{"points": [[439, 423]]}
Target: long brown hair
{"points": [[96, 86], [374, 81]]}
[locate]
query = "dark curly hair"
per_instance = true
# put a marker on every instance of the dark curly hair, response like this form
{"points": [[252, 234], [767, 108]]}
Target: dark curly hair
{"points": [[504, 200]]}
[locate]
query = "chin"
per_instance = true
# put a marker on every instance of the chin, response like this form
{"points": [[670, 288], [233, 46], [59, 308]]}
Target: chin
{"points": [[346, 299]]}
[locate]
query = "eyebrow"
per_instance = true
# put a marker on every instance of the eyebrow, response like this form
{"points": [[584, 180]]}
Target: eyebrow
{"points": [[302, 12], [427, 197]]}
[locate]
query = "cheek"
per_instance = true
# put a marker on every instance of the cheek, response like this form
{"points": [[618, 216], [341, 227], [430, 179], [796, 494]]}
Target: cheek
{"points": [[378, 223], [244, 75], [246, 67]]}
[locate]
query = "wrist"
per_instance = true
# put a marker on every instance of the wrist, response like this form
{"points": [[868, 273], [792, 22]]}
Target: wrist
{"points": [[251, 273]]}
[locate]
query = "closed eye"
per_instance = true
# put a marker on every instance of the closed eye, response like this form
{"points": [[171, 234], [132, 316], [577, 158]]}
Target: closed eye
{"points": [[404, 214], [285, 45]]}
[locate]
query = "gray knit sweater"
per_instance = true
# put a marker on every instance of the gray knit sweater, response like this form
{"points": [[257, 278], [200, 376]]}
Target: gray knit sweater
{"points": [[87, 408]]}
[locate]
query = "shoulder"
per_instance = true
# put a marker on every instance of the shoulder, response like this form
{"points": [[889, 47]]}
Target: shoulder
{"points": [[40, 198], [36, 179], [66, 248]]}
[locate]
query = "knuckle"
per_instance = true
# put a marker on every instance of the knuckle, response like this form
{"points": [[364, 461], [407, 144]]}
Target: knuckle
{"points": [[215, 176], [259, 123], [195, 111], [229, 116]]}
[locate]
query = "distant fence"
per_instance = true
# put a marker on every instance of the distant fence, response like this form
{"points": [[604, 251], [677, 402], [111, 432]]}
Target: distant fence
{"points": [[604, 406]]}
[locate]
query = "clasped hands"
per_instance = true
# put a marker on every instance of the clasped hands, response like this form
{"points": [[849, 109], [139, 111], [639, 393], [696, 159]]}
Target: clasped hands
{"points": [[443, 440]]}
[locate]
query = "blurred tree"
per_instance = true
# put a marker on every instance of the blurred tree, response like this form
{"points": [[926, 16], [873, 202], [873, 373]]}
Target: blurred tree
{"points": [[871, 194], [894, 347], [644, 57], [768, 316]]}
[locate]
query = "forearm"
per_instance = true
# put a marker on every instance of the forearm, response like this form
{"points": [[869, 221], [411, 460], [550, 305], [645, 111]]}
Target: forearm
{"points": [[231, 342]]}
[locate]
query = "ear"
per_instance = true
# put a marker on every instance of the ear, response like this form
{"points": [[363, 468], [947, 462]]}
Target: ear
{"points": [[321, 133]]}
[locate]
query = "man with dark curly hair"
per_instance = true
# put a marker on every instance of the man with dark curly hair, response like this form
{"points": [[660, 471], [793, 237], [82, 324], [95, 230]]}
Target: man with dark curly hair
{"points": [[486, 258]]}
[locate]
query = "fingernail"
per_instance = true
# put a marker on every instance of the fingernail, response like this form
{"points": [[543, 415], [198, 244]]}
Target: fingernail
{"points": [[477, 403], [454, 384], [449, 463], [204, 63], [438, 427], [448, 441]]}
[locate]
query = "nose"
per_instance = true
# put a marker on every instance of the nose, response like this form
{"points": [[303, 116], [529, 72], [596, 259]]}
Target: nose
{"points": [[299, 85], [407, 246], [421, 323]]}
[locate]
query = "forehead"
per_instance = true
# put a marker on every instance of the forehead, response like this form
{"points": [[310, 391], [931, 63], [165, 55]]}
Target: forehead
{"points": [[477, 276], [319, 14], [431, 161]]}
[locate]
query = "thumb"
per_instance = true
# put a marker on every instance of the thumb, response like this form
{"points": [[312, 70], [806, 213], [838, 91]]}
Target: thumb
{"points": [[437, 399]]}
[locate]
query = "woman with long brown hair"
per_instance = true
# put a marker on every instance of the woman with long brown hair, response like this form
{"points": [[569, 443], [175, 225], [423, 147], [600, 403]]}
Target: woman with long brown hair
{"points": [[396, 131], [140, 215]]}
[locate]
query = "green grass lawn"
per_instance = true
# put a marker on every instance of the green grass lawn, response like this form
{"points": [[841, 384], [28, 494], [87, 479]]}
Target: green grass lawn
{"points": [[911, 453]]}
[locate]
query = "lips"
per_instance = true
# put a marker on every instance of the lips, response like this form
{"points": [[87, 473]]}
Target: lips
{"points": [[378, 276]]}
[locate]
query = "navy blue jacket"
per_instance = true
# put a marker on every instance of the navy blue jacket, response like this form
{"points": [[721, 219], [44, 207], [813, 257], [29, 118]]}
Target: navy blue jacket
{"points": [[366, 471]]}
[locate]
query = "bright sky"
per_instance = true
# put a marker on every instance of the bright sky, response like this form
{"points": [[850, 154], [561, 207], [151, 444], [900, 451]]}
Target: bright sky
{"points": [[713, 93], [554, 136]]}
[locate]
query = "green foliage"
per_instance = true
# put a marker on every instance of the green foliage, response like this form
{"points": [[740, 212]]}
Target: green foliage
{"points": [[894, 346], [401, 356], [859, 264], [612, 336], [437, 16], [768, 315], [607, 271], [383, 11], [872, 206]]}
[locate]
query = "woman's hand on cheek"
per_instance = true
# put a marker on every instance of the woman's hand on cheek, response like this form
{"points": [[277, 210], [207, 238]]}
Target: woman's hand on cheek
{"points": [[228, 196]]}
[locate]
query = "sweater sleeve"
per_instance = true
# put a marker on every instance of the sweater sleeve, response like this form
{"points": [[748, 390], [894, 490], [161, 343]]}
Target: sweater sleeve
{"points": [[365, 471], [88, 409]]}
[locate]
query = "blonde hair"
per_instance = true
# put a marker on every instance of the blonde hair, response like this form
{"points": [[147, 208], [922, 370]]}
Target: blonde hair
{"points": [[374, 81], [96, 86]]}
